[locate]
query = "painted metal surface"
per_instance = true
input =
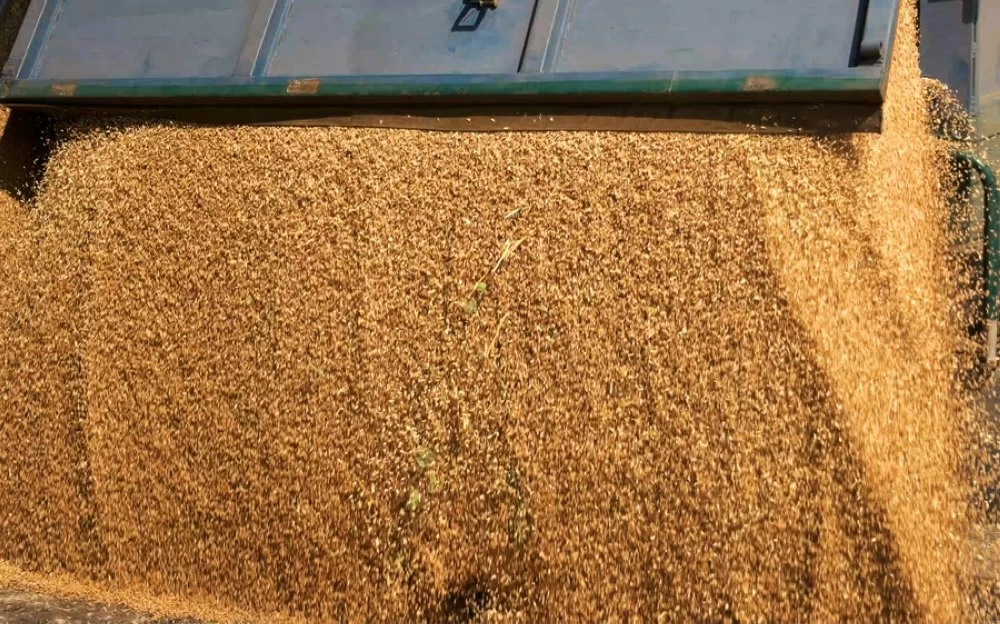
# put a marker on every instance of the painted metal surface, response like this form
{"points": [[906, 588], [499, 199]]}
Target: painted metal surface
{"points": [[141, 38], [361, 37], [817, 50], [947, 33], [987, 63], [779, 34], [972, 163], [960, 46]]}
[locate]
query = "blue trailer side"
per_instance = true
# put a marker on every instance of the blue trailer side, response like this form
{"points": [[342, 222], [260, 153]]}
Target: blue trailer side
{"points": [[178, 51]]}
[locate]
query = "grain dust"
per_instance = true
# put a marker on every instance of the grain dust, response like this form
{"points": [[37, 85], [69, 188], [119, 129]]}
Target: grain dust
{"points": [[361, 374]]}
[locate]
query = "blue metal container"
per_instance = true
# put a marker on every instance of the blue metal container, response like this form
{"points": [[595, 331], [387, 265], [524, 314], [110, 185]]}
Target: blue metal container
{"points": [[176, 51]]}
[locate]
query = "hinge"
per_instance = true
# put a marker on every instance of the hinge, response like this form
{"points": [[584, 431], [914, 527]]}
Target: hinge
{"points": [[873, 31]]}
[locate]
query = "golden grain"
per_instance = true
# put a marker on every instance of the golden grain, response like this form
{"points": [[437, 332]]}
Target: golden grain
{"points": [[709, 377]]}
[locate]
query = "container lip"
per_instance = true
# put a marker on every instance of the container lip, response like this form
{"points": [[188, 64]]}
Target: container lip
{"points": [[860, 84]]}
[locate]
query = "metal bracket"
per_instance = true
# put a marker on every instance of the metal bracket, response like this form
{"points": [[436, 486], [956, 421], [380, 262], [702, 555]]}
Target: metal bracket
{"points": [[991, 248], [871, 51], [874, 31]]}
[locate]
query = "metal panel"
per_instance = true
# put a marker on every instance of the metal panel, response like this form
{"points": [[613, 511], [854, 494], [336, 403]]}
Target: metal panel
{"points": [[596, 35], [988, 67], [359, 37], [12, 14], [946, 37], [333, 51], [140, 38]]}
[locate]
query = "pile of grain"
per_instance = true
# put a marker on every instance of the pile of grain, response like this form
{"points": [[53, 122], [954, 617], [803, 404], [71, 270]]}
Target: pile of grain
{"points": [[947, 116], [560, 376]]}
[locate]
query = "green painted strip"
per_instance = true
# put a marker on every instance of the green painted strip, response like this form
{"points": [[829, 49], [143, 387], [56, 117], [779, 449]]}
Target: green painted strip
{"points": [[991, 244], [857, 85], [777, 83]]}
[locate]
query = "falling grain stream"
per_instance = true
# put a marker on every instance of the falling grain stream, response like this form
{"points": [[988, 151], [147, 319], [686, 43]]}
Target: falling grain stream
{"points": [[355, 374]]}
